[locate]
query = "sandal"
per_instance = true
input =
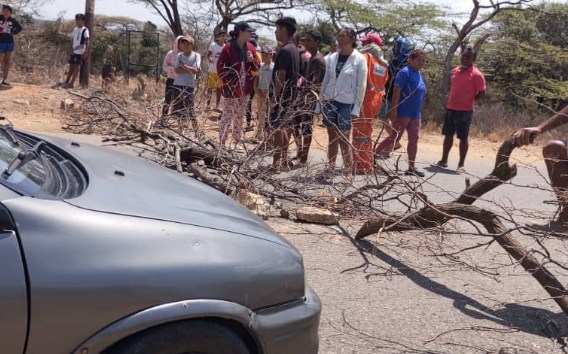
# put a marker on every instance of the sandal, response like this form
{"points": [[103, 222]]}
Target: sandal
{"points": [[414, 173]]}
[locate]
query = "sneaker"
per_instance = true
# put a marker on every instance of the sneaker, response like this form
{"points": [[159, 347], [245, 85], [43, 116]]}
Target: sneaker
{"points": [[6, 84], [65, 85]]}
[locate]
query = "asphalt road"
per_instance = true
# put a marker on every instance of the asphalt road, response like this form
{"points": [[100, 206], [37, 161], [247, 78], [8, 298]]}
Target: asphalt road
{"points": [[422, 292]]}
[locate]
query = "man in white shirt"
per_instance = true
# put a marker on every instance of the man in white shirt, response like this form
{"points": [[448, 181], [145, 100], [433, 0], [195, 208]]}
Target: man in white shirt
{"points": [[213, 81], [80, 48]]}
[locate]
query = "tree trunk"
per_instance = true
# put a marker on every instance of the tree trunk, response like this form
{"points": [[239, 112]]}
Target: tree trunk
{"points": [[89, 23], [448, 65]]}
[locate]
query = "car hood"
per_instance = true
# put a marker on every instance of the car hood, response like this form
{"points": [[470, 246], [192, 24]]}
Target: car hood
{"points": [[128, 185]]}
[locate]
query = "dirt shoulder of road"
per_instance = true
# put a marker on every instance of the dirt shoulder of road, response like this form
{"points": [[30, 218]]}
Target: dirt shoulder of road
{"points": [[39, 109]]}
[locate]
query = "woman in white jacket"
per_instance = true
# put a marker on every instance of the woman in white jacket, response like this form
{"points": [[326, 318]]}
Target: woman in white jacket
{"points": [[343, 91]]}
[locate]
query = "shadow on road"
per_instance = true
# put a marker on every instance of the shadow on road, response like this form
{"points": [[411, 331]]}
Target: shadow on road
{"points": [[527, 319], [438, 169]]}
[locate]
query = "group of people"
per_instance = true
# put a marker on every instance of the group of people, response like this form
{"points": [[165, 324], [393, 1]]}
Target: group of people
{"points": [[79, 50], [294, 82]]}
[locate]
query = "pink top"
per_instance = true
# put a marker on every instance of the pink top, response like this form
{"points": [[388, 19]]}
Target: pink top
{"points": [[466, 85]]}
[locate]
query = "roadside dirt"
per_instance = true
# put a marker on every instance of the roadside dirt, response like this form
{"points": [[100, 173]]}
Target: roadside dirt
{"points": [[38, 109]]}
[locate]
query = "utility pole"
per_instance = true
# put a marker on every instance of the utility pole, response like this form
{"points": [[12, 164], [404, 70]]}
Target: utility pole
{"points": [[90, 23]]}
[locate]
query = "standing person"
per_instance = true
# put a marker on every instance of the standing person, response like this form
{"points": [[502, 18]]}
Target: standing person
{"points": [[236, 63], [377, 75], [407, 99], [555, 154], [284, 83], [187, 66], [213, 81], [467, 86], [343, 91], [170, 70], [262, 85], [8, 28], [253, 41], [332, 49], [80, 48], [308, 97], [399, 59]]}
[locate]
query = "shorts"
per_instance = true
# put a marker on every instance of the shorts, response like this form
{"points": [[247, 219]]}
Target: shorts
{"points": [[6, 47], [457, 122], [184, 102], [337, 114], [76, 59], [213, 81]]}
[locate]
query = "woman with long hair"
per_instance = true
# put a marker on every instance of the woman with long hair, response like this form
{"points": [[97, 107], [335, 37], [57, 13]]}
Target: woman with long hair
{"points": [[236, 63], [342, 92]]}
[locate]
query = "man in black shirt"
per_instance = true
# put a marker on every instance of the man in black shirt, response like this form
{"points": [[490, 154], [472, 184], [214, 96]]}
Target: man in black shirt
{"points": [[309, 91], [284, 81], [8, 28]]}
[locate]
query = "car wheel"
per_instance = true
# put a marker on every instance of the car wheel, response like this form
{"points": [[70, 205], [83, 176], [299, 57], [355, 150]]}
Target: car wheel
{"points": [[194, 337]]}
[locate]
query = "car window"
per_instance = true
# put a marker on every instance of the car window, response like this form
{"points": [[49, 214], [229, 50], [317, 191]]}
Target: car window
{"points": [[35, 168], [29, 177]]}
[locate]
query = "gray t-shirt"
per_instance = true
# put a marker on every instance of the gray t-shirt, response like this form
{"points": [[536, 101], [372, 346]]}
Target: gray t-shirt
{"points": [[265, 76], [187, 79]]}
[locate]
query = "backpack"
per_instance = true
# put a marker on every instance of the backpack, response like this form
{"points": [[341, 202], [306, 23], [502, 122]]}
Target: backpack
{"points": [[83, 39], [402, 48]]}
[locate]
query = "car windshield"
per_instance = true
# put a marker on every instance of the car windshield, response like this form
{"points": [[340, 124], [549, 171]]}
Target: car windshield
{"points": [[31, 167]]}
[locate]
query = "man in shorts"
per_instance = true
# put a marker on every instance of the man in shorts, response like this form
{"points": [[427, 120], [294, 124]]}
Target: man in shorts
{"points": [[8, 28], [556, 158], [213, 81], [284, 81], [467, 86], [80, 48]]}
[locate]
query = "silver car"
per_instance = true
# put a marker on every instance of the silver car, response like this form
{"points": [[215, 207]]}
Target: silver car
{"points": [[101, 252]]}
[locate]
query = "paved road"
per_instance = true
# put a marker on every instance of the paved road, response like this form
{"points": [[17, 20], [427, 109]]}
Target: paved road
{"points": [[397, 294]]}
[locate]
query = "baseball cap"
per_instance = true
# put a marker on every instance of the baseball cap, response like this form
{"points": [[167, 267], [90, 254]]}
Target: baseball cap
{"points": [[220, 32], [267, 49], [373, 37], [188, 39], [244, 26]]}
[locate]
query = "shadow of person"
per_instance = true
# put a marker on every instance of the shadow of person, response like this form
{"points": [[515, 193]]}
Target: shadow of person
{"points": [[438, 169], [527, 319], [4, 88]]}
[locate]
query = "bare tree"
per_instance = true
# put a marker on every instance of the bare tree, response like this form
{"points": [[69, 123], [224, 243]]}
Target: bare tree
{"points": [[168, 10], [28, 5], [473, 23]]}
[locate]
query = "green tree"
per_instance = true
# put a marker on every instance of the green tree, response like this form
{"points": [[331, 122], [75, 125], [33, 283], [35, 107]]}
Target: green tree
{"points": [[529, 59], [387, 17]]}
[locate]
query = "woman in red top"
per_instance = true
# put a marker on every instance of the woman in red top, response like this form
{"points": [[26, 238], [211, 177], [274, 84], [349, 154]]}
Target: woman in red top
{"points": [[236, 63]]}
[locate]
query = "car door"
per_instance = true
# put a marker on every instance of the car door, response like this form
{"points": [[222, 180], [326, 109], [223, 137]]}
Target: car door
{"points": [[13, 289]]}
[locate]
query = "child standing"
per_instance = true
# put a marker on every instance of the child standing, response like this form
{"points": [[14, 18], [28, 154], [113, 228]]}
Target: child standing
{"points": [[170, 70], [8, 28], [80, 47], [187, 67], [261, 87]]}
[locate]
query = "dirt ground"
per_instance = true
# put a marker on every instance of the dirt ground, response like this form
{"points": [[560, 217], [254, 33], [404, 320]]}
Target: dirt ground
{"points": [[38, 109], [394, 293]]}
